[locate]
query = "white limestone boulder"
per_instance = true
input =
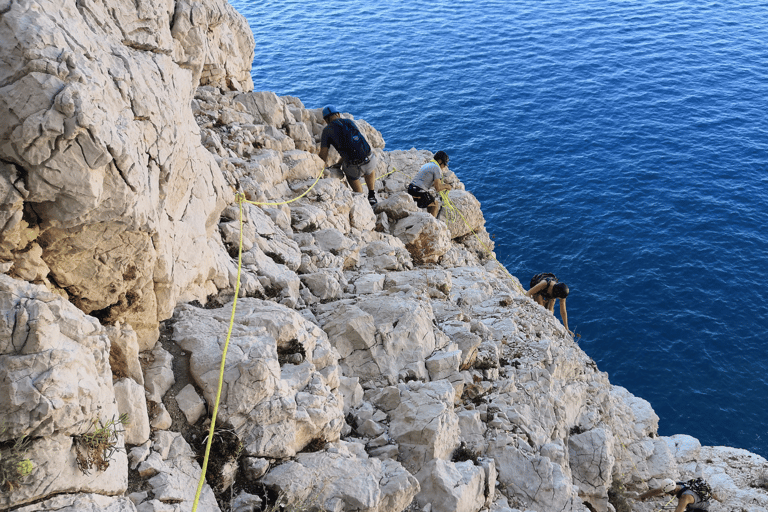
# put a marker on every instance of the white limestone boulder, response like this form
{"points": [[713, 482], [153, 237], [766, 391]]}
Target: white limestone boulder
{"points": [[379, 336], [280, 380], [591, 460], [426, 238], [452, 486], [82, 503], [54, 373], [173, 474], [424, 424], [131, 400], [343, 477], [467, 217], [126, 193], [56, 469]]}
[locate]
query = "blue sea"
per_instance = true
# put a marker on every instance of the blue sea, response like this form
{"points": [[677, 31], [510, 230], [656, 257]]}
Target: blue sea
{"points": [[622, 145]]}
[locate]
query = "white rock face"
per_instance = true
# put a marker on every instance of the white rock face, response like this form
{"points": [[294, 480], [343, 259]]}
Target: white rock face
{"points": [[280, 381], [55, 364], [119, 199], [426, 238], [424, 424], [344, 478], [452, 487]]}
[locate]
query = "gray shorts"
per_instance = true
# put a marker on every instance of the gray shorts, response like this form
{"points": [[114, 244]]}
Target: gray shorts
{"points": [[355, 172]]}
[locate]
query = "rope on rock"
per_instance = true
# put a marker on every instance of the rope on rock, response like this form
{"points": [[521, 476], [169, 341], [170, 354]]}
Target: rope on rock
{"points": [[244, 200], [240, 198], [452, 214]]}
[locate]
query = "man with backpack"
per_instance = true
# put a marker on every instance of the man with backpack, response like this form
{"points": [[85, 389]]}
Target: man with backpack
{"points": [[692, 496], [357, 159]]}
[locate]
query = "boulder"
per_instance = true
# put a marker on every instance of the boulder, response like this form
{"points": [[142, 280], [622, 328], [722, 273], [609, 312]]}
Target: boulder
{"points": [[342, 477], [426, 238], [280, 379]]}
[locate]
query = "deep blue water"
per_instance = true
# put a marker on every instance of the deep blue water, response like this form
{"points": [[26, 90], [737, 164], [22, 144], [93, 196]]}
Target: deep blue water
{"points": [[621, 144]]}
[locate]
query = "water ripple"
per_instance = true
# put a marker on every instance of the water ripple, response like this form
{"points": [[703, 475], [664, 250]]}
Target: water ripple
{"points": [[622, 145]]}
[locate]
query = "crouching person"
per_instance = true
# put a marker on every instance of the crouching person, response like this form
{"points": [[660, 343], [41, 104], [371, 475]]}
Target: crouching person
{"points": [[429, 176]]}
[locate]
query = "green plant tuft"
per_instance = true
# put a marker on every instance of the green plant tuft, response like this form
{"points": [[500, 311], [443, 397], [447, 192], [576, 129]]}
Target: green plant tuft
{"points": [[14, 464], [96, 447]]}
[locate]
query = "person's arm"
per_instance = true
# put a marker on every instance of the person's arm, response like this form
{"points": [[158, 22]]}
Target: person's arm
{"points": [[536, 289], [564, 316], [440, 186], [325, 144], [650, 494], [324, 155]]}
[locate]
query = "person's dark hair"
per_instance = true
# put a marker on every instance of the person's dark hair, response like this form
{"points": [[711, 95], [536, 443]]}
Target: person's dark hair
{"points": [[441, 157], [560, 290]]}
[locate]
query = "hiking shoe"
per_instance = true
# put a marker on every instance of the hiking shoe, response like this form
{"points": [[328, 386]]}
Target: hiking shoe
{"points": [[372, 200]]}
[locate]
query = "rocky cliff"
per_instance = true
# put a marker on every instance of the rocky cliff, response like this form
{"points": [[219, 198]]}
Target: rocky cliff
{"points": [[376, 361]]}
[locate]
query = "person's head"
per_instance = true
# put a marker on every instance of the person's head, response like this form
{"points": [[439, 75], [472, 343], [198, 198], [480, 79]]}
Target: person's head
{"points": [[441, 157], [330, 113], [560, 290], [668, 486]]}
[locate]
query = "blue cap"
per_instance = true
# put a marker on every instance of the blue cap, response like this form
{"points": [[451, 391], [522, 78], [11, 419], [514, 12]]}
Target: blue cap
{"points": [[328, 110]]}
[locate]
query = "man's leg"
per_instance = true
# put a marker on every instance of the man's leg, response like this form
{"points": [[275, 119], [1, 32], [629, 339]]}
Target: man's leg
{"points": [[434, 209], [355, 184], [370, 180]]}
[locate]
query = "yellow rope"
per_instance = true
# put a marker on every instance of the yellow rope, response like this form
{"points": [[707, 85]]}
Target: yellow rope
{"points": [[453, 212], [664, 505], [240, 198], [290, 200]]}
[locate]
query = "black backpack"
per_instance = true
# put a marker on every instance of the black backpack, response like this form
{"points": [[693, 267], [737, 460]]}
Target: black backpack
{"points": [[540, 277], [698, 486], [353, 145]]}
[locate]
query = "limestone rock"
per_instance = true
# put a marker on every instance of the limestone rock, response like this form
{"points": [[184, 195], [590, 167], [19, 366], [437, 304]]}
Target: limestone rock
{"points": [[424, 424], [469, 220], [55, 371], [105, 181], [344, 478], [426, 238], [451, 486], [131, 401], [281, 383], [83, 503]]}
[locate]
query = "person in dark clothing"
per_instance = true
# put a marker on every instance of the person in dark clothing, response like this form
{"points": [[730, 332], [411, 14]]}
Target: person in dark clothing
{"points": [[545, 289], [353, 168], [692, 496]]}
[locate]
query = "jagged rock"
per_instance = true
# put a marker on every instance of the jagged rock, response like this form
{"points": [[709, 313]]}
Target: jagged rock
{"points": [[591, 459], [190, 404], [369, 283], [127, 178], [124, 353], [469, 220], [131, 401], [158, 373], [82, 503], [57, 471], [424, 423], [276, 407], [55, 364], [380, 336], [176, 475], [343, 478], [398, 206], [451, 486], [426, 238]]}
